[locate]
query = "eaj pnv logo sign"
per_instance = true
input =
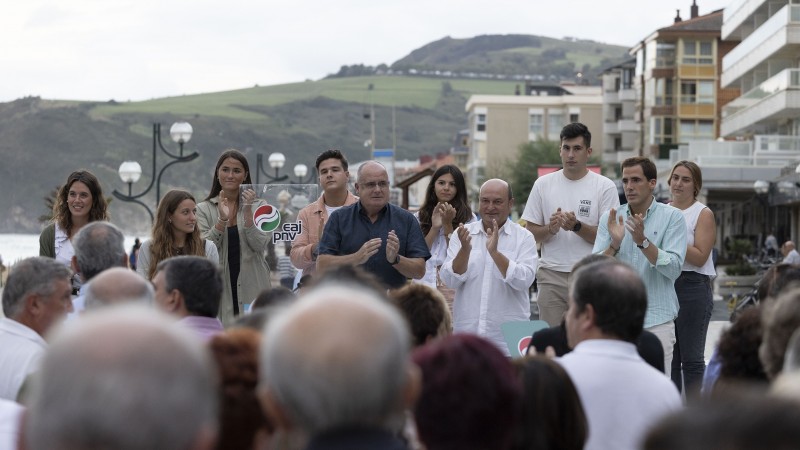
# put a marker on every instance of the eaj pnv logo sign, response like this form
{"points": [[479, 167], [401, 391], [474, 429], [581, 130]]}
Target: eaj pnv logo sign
{"points": [[267, 218], [276, 208]]}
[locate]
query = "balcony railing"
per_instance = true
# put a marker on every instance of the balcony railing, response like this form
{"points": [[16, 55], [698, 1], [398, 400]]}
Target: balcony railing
{"points": [[784, 80], [736, 13], [749, 48], [762, 151]]}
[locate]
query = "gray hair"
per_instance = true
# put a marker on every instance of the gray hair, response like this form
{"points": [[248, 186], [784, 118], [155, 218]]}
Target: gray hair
{"points": [[98, 246], [338, 357], [117, 285], [34, 275], [124, 378]]}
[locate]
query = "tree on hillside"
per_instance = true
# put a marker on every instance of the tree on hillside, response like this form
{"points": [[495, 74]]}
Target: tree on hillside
{"points": [[523, 171]]}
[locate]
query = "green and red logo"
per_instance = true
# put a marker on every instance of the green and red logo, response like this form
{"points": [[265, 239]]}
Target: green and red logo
{"points": [[267, 218]]}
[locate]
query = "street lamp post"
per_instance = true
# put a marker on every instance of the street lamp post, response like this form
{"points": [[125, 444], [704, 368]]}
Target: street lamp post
{"points": [[276, 161], [300, 171], [131, 171]]}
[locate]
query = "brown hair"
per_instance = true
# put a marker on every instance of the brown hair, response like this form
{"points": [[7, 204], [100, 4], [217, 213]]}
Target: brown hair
{"points": [[99, 209], [694, 169], [161, 246], [228, 153], [235, 353]]}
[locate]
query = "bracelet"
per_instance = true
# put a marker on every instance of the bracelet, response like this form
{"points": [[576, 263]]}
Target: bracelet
{"points": [[616, 250], [222, 220]]}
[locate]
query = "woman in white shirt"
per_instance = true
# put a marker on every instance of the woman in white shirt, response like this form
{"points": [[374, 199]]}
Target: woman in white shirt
{"points": [[695, 295], [444, 208], [79, 201], [175, 233]]}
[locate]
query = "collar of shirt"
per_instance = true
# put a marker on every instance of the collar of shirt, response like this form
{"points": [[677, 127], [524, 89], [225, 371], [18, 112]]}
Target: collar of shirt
{"points": [[480, 229], [363, 212], [646, 213]]}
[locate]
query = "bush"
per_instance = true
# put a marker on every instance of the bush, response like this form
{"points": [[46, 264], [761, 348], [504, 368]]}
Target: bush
{"points": [[739, 249]]}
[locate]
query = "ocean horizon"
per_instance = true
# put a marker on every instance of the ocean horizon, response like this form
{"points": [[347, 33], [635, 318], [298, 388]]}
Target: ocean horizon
{"points": [[17, 246]]}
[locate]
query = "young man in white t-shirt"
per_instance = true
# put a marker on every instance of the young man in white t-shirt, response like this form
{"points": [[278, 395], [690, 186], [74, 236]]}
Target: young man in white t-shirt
{"points": [[562, 212]]}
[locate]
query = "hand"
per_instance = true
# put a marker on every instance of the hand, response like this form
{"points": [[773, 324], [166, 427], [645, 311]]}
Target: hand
{"points": [[549, 351], [368, 249], [569, 220], [436, 217], [449, 212], [392, 247], [321, 228], [248, 197], [616, 228], [555, 221], [464, 237], [635, 226], [494, 235], [223, 208]]}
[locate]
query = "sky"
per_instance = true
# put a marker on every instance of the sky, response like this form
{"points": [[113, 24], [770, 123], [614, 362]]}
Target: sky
{"points": [[143, 49]]}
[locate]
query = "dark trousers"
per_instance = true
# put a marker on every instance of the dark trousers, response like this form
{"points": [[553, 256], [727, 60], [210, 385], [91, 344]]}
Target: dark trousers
{"points": [[696, 301]]}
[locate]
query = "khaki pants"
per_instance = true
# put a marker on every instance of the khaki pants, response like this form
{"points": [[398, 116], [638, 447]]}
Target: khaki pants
{"points": [[666, 334], [552, 295]]}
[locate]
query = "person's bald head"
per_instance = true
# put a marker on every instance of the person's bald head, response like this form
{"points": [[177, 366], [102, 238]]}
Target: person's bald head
{"points": [[360, 344], [118, 285], [788, 246], [495, 202]]}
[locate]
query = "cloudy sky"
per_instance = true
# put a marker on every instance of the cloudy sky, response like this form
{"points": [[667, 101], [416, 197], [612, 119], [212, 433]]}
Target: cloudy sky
{"points": [[142, 49]]}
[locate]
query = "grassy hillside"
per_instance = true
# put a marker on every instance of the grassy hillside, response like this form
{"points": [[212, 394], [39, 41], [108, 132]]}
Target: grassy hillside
{"points": [[417, 92]]}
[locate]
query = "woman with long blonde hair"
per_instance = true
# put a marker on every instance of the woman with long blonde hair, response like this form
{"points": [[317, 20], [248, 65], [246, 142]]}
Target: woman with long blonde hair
{"points": [[175, 233]]}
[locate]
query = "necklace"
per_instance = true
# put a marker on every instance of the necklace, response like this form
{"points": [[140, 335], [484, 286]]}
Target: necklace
{"points": [[178, 250]]}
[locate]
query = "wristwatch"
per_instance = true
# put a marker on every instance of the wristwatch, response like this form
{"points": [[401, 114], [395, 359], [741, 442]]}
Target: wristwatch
{"points": [[396, 260], [645, 243], [577, 226]]}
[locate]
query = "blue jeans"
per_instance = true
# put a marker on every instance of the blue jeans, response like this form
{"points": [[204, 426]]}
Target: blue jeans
{"points": [[696, 302]]}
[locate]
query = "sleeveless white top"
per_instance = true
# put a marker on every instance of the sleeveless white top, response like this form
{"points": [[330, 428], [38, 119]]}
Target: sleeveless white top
{"points": [[691, 214]]}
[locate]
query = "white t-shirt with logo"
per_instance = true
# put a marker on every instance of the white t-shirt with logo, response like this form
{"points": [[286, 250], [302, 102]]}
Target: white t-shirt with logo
{"points": [[588, 198]]}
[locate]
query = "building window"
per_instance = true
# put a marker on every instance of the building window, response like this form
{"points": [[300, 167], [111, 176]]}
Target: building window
{"points": [[699, 92], [480, 123], [698, 52], [574, 118], [697, 130], [627, 78], [661, 130], [555, 122], [536, 124], [665, 55], [664, 94]]}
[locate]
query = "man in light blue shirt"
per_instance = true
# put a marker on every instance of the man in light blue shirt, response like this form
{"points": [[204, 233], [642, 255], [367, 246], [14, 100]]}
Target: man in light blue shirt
{"points": [[650, 237]]}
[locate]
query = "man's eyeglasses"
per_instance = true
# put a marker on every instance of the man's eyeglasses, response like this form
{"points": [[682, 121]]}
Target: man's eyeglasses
{"points": [[373, 184]]}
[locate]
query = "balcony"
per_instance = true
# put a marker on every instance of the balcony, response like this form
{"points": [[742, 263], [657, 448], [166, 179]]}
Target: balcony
{"points": [[777, 98], [737, 15], [610, 97], [778, 37], [628, 94]]}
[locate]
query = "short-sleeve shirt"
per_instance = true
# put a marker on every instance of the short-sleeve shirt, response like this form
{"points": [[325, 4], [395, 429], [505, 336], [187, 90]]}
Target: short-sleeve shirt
{"points": [[348, 228], [588, 198]]}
